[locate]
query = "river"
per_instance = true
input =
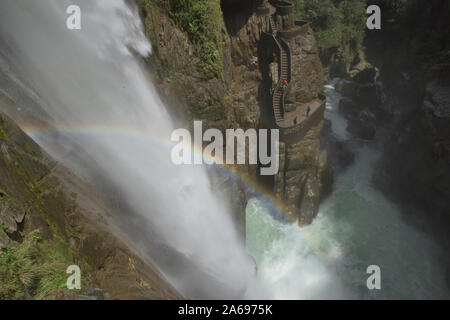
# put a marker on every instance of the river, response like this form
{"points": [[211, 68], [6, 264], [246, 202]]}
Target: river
{"points": [[356, 227]]}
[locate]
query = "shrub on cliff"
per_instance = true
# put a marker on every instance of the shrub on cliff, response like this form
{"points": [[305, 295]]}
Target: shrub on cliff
{"points": [[33, 268], [336, 23], [202, 22]]}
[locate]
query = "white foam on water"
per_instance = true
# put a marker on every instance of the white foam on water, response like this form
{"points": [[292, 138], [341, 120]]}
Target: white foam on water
{"points": [[356, 227]]}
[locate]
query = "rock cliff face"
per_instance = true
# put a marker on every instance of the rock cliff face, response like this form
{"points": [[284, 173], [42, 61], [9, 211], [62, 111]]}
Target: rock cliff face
{"points": [[304, 175], [307, 73], [415, 165], [50, 220], [303, 165], [240, 98], [413, 54]]}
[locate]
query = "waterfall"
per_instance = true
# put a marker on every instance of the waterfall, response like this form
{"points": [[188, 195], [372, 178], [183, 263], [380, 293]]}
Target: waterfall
{"points": [[110, 125]]}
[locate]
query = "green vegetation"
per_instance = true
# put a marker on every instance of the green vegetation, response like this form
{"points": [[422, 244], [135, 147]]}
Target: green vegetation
{"points": [[415, 25], [34, 259], [336, 23], [3, 234], [3, 135], [201, 20], [4, 198], [32, 269]]}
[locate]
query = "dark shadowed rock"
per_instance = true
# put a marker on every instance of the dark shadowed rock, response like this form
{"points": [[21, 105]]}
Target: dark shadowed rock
{"points": [[437, 99], [343, 154], [338, 65], [447, 277], [326, 175], [348, 89], [348, 108], [369, 94], [365, 76], [360, 129]]}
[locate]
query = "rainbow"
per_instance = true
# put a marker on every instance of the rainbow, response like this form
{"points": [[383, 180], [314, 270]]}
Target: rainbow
{"points": [[36, 130]]}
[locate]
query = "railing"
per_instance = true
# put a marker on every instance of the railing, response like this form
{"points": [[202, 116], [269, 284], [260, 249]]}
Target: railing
{"points": [[283, 51], [273, 27], [276, 101], [290, 129], [300, 28], [278, 112], [287, 49], [298, 131]]}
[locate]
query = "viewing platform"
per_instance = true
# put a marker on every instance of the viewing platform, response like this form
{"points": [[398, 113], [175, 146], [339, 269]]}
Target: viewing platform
{"points": [[293, 119]]}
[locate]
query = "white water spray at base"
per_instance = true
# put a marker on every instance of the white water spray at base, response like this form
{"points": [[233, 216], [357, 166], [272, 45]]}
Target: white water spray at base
{"points": [[356, 227]]}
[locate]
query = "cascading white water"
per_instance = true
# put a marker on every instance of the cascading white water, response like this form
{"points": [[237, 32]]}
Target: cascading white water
{"points": [[91, 86], [356, 227]]}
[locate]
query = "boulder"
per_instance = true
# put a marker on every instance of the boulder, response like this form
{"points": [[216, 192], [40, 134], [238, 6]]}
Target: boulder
{"points": [[369, 94], [347, 88], [361, 129], [343, 154], [365, 76], [348, 108]]}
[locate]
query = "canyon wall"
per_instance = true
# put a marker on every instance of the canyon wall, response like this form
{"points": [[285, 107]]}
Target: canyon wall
{"points": [[412, 51], [238, 96], [51, 219]]}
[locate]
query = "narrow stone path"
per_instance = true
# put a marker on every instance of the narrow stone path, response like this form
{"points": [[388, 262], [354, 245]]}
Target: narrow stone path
{"points": [[287, 119]]}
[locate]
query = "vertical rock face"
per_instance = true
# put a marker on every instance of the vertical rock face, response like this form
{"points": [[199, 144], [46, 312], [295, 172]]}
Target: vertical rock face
{"points": [[303, 165], [244, 29], [413, 59], [414, 167], [51, 219], [244, 92], [307, 74], [303, 170]]}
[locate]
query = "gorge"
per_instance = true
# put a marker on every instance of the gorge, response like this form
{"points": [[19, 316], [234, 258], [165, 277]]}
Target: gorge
{"points": [[95, 184]]}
